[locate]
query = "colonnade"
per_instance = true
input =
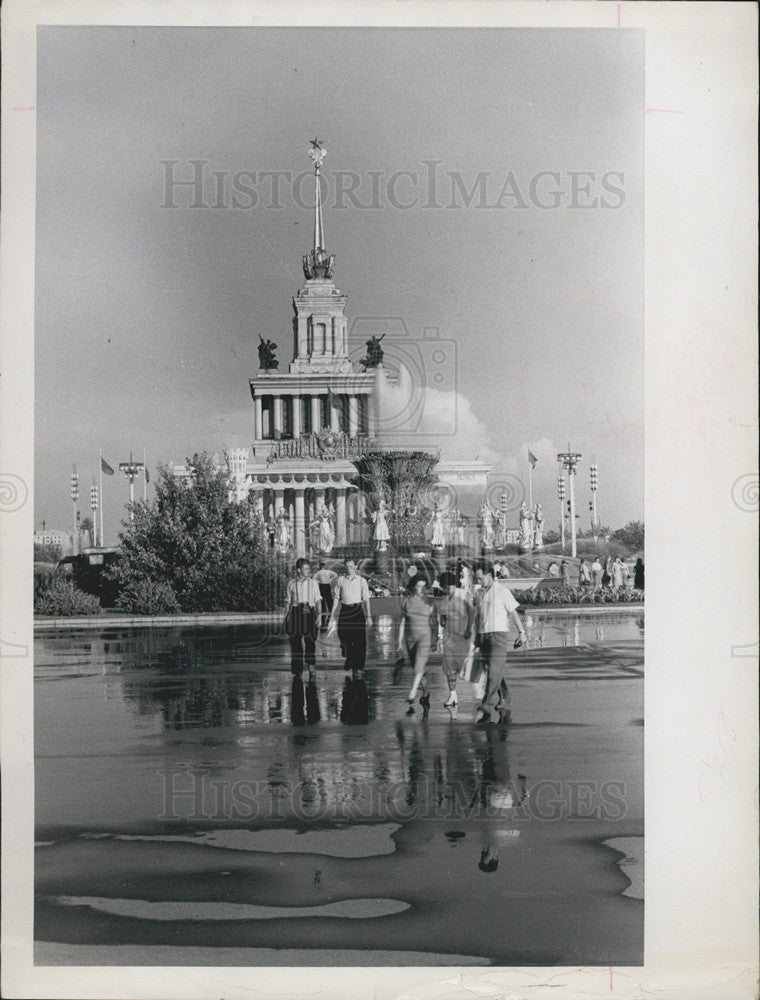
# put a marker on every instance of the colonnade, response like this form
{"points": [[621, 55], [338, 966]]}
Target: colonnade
{"points": [[302, 501], [290, 416]]}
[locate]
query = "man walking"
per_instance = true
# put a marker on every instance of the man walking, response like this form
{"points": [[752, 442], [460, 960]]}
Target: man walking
{"points": [[301, 617], [495, 607], [352, 613]]}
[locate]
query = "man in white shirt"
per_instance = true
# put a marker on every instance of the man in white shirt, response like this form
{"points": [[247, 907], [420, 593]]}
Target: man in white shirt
{"points": [[301, 616], [495, 607], [351, 611]]}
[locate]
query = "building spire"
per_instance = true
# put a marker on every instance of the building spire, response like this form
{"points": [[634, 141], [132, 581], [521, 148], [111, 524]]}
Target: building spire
{"points": [[317, 154], [318, 263]]}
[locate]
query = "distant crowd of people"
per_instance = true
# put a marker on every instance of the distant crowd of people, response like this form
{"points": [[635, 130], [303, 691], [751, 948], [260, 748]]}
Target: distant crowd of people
{"points": [[598, 575]]}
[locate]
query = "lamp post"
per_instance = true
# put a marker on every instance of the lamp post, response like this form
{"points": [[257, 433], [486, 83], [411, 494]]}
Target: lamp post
{"points": [[504, 504], [94, 509], [570, 460], [131, 470], [594, 487], [74, 498], [561, 497]]}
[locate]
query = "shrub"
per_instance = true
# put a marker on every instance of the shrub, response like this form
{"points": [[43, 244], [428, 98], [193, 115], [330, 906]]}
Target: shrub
{"points": [[47, 553], [577, 595], [61, 598], [148, 597], [43, 577]]}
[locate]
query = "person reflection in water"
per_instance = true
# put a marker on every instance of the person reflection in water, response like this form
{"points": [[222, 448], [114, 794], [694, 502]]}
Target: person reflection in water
{"points": [[354, 706], [501, 800], [304, 702]]}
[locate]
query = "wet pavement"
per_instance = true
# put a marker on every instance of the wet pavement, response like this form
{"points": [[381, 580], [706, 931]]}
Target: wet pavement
{"points": [[197, 805]]}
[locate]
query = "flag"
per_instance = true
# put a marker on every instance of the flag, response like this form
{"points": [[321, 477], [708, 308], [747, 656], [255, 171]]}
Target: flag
{"points": [[105, 467], [532, 459], [147, 474]]}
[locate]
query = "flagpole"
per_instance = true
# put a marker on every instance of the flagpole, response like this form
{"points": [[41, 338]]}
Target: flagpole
{"points": [[530, 483], [102, 539]]}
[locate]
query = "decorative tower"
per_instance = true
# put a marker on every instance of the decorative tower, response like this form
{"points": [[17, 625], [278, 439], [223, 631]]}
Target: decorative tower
{"points": [[320, 326]]}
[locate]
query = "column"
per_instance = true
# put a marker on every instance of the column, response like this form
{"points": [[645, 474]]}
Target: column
{"points": [[319, 499], [279, 499], [300, 524], [353, 415], [277, 416], [340, 516], [316, 416], [258, 502], [297, 426], [303, 338], [257, 421], [335, 414]]}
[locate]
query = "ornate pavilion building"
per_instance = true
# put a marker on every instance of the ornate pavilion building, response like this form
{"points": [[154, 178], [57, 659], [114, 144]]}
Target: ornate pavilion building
{"points": [[311, 421]]}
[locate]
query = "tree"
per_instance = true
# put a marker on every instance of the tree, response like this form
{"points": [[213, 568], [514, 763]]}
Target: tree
{"points": [[46, 553], [631, 536], [403, 480], [208, 549]]}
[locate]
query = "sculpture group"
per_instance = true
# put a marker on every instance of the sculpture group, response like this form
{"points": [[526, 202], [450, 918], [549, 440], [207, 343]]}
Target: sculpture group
{"points": [[493, 527]]}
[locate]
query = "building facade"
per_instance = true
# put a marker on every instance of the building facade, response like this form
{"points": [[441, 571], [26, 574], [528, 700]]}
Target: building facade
{"points": [[311, 421]]}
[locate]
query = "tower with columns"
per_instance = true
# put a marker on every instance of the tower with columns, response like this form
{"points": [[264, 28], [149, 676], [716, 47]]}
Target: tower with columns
{"points": [[311, 420]]}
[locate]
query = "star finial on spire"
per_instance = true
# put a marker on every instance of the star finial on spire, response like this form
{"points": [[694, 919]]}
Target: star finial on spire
{"points": [[317, 152]]}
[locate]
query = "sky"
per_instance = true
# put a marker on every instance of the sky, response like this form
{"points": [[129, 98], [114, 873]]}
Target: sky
{"points": [[486, 184]]}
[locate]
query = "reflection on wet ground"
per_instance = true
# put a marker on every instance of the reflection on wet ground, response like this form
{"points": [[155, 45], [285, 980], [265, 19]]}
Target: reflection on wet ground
{"points": [[192, 794]]}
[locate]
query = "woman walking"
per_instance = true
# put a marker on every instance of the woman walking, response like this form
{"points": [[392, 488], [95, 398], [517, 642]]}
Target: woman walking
{"points": [[418, 620], [457, 619]]}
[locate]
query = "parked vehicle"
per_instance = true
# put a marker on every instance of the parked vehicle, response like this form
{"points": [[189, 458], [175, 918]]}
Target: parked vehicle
{"points": [[88, 572]]}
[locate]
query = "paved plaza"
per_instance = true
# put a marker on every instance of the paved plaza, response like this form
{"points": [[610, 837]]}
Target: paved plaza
{"points": [[195, 805]]}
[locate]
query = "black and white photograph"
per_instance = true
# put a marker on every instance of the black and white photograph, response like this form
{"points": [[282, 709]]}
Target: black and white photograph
{"points": [[341, 399]]}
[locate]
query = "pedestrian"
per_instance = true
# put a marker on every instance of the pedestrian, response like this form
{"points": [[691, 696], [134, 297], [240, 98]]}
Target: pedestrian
{"points": [[301, 619], [553, 569], [352, 614], [638, 575], [457, 618], [326, 579], [597, 572], [563, 573], [419, 623], [466, 581], [620, 573], [495, 607], [584, 576], [607, 572]]}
